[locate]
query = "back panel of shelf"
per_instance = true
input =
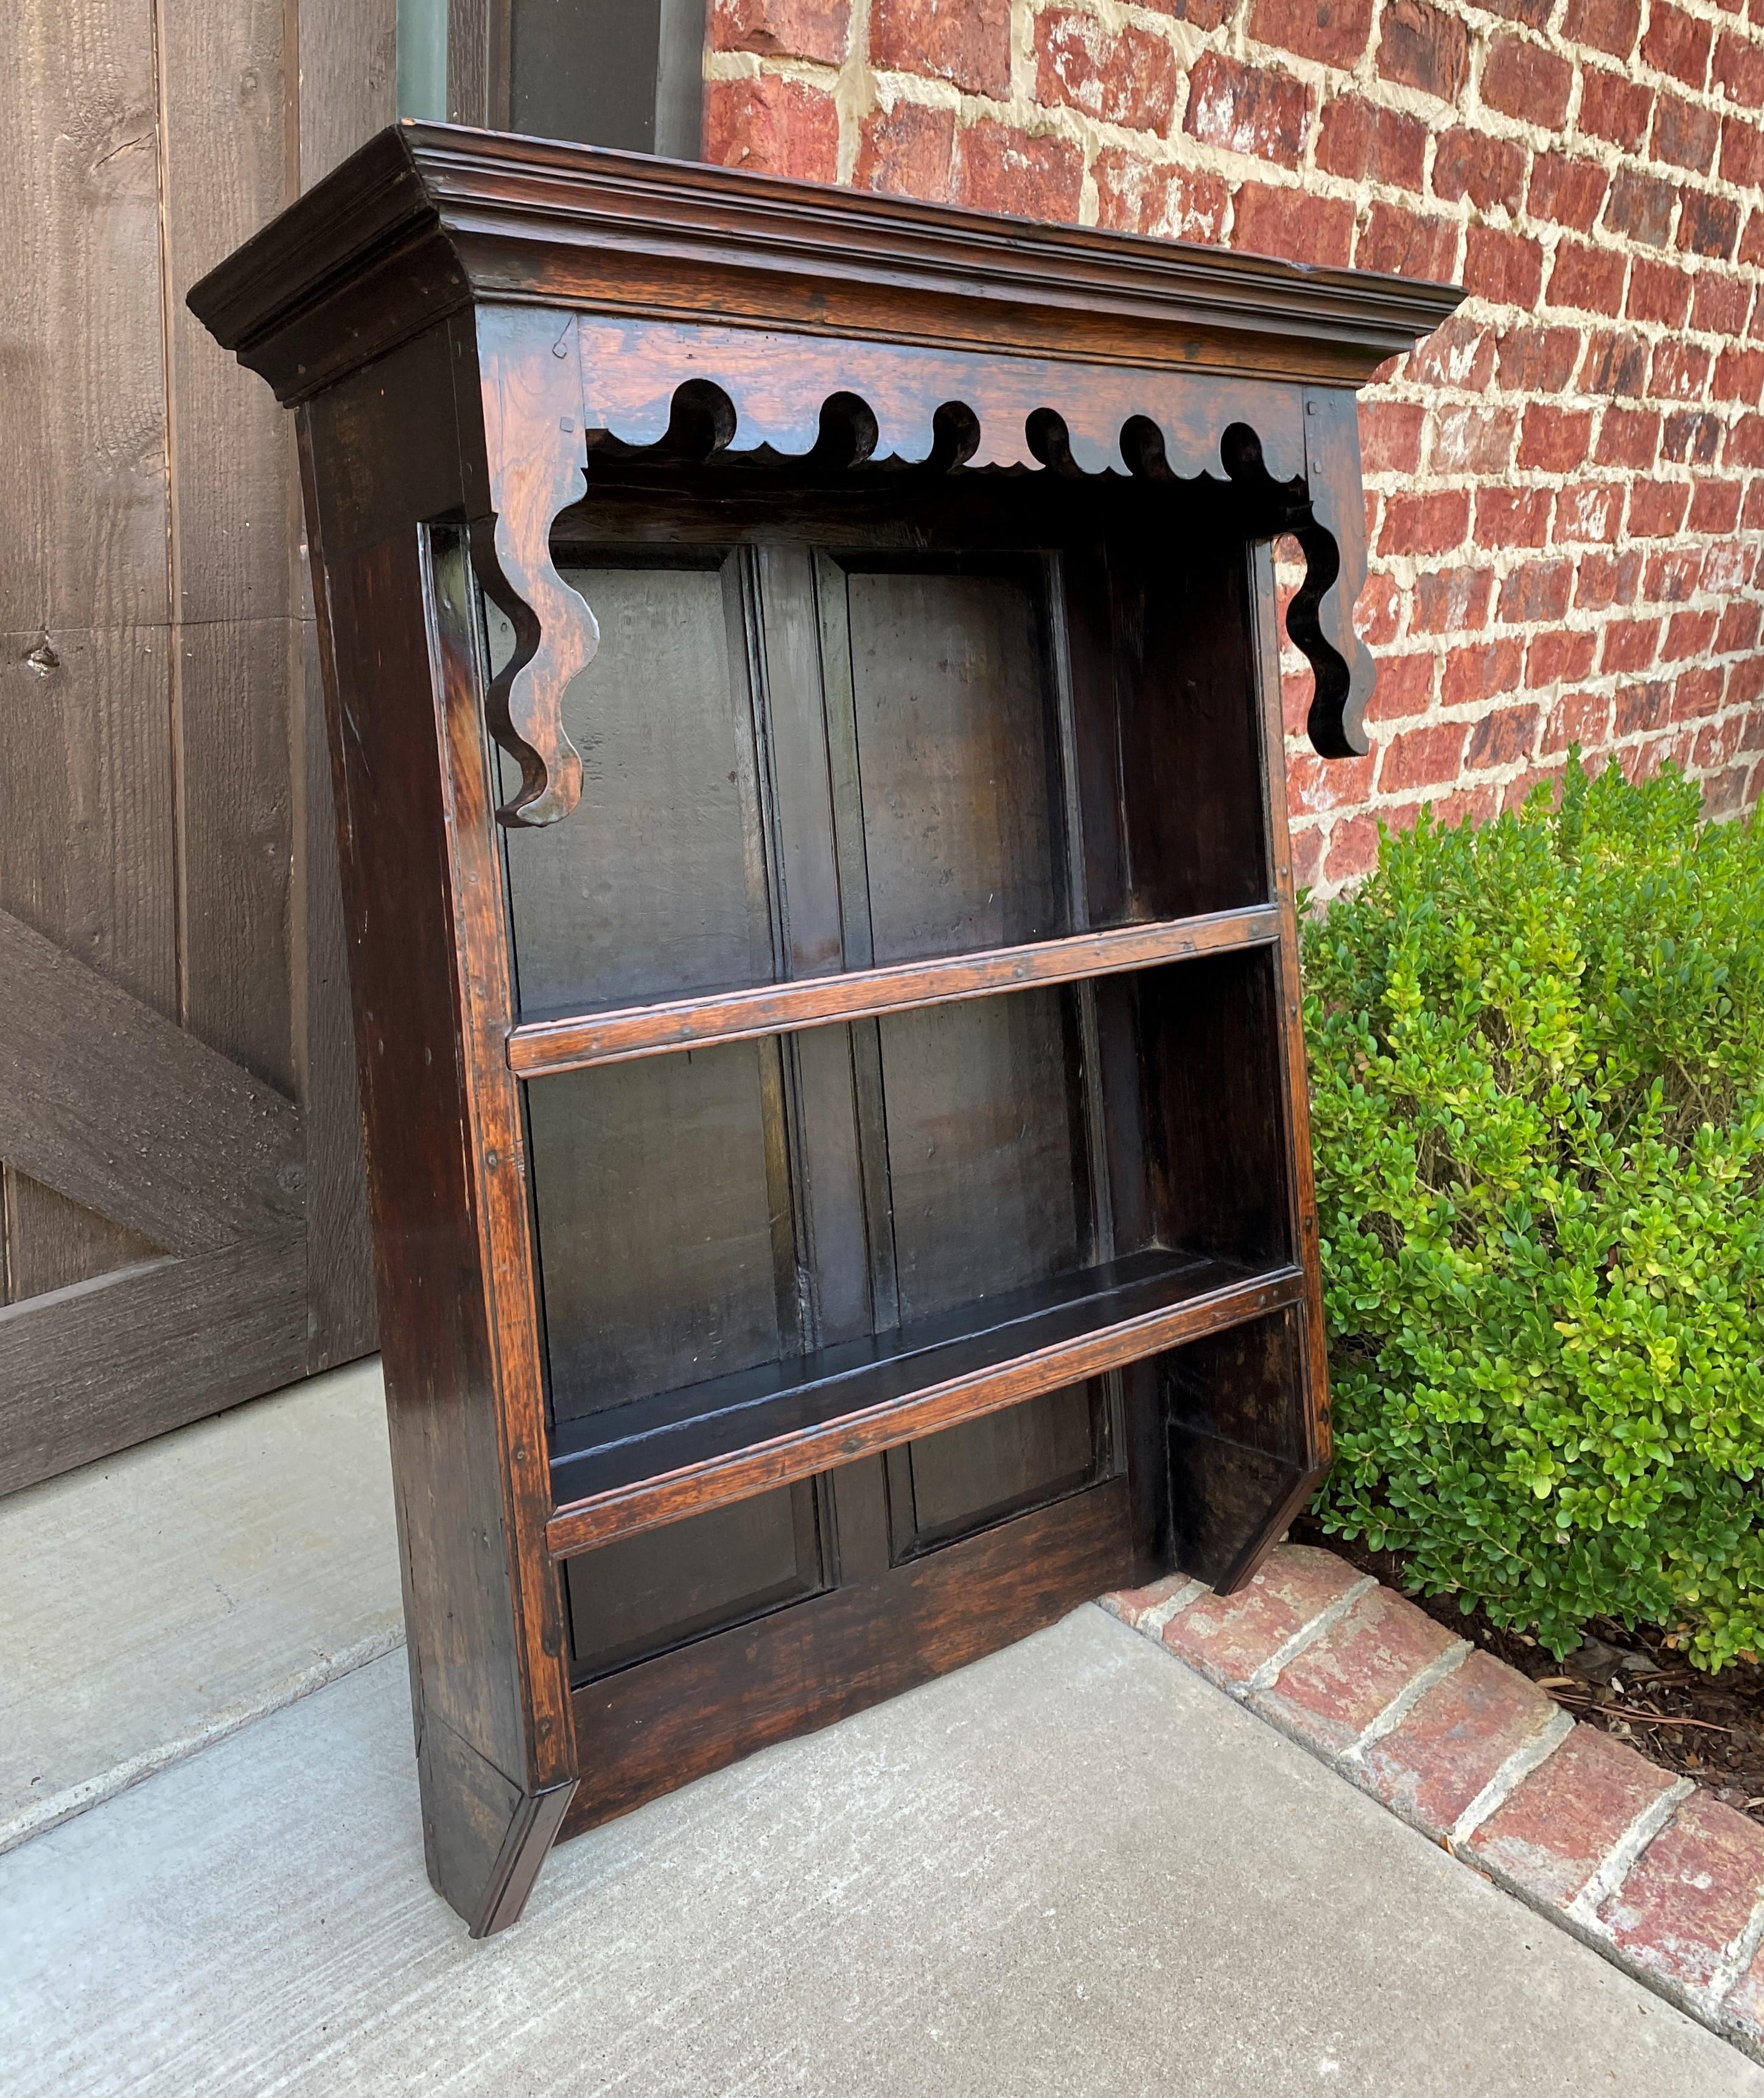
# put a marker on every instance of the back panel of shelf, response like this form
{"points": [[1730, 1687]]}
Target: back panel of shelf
{"points": [[858, 743], [1046, 730]]}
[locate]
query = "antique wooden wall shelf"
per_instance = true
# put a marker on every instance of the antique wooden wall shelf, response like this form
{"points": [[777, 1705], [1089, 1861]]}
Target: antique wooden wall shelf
{"points": [[838, 1141]]}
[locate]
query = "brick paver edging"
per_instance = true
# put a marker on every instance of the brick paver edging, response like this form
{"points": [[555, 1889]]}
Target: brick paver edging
{"points": [[1662, 1879]]}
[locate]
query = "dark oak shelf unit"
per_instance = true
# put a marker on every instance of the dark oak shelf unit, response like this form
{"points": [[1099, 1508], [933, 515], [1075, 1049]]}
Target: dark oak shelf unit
{"points": [[802, 676]]}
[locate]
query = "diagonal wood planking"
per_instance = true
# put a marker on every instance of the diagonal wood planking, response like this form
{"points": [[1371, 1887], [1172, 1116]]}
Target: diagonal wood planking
{"points": [[107, 1102]]}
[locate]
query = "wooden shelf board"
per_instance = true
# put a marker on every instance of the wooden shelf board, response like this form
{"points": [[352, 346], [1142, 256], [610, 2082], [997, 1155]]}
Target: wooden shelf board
{"points": [[652, 1460], [540, 1048]]}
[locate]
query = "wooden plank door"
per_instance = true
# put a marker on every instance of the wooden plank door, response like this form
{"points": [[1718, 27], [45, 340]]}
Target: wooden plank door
{"points": [[181, 1216]]}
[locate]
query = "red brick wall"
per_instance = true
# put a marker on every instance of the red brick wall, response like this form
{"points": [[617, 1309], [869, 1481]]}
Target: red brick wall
{"points": [[1567, 482]]}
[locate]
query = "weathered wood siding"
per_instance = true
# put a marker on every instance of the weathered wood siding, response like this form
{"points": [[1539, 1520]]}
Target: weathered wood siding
{"points": [[181, 1187]]}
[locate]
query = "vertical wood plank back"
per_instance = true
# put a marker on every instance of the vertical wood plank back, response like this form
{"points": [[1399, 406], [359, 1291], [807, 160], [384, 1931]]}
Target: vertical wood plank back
{"points": [[84, 589], [82, 415], [347, 83], [153, 751], [226, 161]]}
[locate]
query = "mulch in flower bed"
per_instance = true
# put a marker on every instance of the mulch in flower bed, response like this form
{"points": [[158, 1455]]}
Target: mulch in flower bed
{"points": [[1707, 1727]]}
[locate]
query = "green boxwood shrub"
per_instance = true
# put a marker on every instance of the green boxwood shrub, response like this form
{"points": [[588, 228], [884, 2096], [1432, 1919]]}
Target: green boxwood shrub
{"points": [[1537, 1057]]}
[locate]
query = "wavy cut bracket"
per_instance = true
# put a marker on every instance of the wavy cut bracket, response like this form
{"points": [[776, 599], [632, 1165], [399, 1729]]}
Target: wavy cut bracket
{"points": [[680, 391], [531, 397]]}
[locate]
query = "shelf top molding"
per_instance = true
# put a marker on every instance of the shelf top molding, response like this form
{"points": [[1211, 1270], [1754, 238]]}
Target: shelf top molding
{"points": [[427, 219]]}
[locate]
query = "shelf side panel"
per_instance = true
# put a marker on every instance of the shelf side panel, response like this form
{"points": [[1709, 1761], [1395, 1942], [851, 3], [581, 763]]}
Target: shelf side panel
{"points": [[1219, 1162], [389, 505], [468, 1619], [1191, 769], [1248, 1410], [1242, 1460]]}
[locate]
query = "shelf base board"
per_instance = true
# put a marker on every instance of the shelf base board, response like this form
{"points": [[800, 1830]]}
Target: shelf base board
{"points": [[648, 1729]]}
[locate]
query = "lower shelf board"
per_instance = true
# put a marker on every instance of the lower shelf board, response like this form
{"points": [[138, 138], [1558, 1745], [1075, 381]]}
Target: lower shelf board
{"points": [[653, 1460]]}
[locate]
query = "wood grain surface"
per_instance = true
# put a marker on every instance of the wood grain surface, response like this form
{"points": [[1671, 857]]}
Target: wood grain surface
{"points": [[632, 368], [920, 1409], [537, 1047], [84, 581], [574, 226], [678, 1717], [160, 832]]}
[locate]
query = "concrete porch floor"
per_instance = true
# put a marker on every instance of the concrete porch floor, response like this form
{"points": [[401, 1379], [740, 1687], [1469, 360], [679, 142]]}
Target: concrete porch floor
{"points": [[155, 1602], [1074, 1868]]}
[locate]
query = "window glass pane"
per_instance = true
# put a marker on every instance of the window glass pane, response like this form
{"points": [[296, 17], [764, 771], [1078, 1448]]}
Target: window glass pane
{"points": [[680, 81], [585, 69], [628, 73], [422, 59]]}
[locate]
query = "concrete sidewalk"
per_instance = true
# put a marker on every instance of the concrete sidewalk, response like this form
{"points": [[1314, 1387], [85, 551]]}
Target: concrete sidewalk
{"points": [[1074, 1869], [155, 1602]]}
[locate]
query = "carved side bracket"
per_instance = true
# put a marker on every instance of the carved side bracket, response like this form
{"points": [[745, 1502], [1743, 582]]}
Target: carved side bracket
{"points": [[532, 403], [1332, 537]]}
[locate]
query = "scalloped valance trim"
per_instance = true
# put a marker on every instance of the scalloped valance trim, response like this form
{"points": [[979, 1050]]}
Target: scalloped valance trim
{"points": [[704, 391]]}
